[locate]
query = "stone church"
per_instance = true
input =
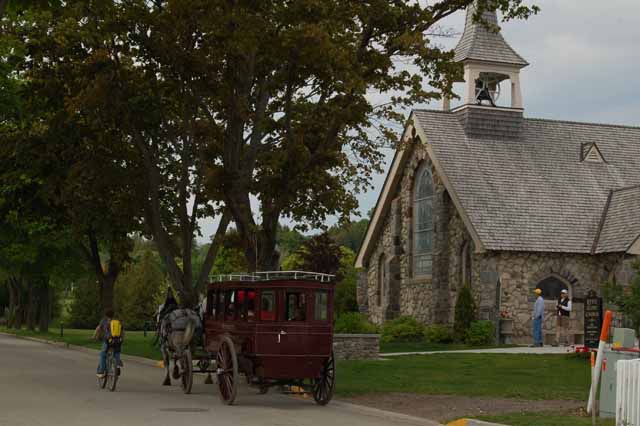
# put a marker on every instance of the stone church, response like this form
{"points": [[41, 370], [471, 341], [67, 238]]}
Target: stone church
{"points": [[481, 194]]}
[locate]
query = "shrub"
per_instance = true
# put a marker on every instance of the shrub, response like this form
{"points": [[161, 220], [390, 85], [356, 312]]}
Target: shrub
{"points": [[465, 312], [403, 329], [137, 291], [354, 323], [481, 333], [85, 310], [437, 333]]}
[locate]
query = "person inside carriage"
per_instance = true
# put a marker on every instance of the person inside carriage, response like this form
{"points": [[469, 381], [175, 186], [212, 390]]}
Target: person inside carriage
{"points": [[111, 332]]}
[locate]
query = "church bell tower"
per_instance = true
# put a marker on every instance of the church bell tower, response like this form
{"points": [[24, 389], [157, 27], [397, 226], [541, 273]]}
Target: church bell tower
{"points": [[490, 64]]}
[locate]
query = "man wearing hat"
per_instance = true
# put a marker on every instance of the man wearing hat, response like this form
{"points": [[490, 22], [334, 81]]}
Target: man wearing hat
{"points": [[538, 316], [564, 310]]}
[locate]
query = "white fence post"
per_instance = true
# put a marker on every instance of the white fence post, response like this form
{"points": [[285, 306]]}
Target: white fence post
{"points": [[628, 393]]}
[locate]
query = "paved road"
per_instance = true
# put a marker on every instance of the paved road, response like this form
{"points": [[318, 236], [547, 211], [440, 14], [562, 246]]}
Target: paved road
{"points": [[46, 385]]}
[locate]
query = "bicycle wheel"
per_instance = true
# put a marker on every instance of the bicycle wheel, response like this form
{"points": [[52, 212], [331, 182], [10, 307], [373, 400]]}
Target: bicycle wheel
{"points": [[112, 372], [186, 370], [102, 381]]}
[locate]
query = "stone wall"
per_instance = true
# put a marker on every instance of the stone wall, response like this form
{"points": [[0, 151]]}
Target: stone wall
{"points": [[508, 279], [356, 346]]}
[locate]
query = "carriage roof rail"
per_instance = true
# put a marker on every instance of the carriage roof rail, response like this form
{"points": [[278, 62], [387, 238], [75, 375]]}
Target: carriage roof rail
{"points": [[274, 275]]}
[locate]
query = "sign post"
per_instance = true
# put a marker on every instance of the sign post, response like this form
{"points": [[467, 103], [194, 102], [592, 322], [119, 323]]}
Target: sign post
{"points": [[592, 320]]}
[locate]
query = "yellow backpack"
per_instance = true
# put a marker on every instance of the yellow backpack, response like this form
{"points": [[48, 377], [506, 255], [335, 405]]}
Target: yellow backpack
{"points": [[116, 328]]}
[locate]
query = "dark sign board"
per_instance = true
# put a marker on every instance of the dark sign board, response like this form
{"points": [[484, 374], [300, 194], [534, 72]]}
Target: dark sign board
{"points": [[592, 320]]}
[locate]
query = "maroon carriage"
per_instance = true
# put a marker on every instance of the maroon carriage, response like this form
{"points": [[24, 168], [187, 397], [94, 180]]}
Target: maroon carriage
{"points": [[276, 329]]}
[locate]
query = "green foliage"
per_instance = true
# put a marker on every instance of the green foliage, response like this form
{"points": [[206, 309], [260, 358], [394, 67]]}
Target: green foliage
{"points": [[350, 235], [354, 323], [137, 291], [626, 298], [288, 242], [437, 333], [85, 310], [402, 329], [345, 294], [465, 312], [229, 260], [481, 333]]}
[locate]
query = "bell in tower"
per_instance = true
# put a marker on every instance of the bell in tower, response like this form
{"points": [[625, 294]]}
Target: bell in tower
{"points": [[488, 62]]}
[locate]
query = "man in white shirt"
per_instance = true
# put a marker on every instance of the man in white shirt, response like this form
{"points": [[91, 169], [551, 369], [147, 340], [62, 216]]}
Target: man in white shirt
{"points": [[563, 312]]}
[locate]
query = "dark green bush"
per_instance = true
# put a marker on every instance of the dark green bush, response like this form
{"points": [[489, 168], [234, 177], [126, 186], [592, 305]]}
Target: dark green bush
{"points": [[481, 333], [403, 329], [438, 333], [465, 313], [85, 310], [354, 323]]}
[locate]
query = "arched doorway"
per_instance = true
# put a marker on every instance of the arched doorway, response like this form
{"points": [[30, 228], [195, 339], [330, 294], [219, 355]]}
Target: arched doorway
{"points": [[552, 286]]}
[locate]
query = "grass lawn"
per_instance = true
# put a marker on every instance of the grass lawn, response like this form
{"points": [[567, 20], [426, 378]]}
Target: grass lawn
{"points": [[491, 375], [427, 347], [135, 342], [545, 419]]}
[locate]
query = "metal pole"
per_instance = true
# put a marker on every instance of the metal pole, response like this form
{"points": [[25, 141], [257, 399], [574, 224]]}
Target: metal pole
{"points": [[61, 330], [593, 388], [144, 328]]}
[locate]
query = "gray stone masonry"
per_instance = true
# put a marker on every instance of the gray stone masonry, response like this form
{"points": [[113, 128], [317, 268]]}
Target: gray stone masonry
{"points": [[356, 346], [502, 281]]}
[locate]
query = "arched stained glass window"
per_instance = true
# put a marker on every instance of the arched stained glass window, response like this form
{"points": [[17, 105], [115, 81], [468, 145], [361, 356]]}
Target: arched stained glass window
{"points": [[423, 222]]}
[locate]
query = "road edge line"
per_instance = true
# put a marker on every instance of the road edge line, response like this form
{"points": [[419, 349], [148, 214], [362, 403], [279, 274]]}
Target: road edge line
{"points": [[63, 345], [385, 414]]}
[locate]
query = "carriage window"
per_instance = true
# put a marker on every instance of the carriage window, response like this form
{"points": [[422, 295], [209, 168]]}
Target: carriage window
{"points": [[211, 302], [251, 305], [231, 305], [219, 305], [321, 306], [296, 307], [268, 305], [246, 304]]}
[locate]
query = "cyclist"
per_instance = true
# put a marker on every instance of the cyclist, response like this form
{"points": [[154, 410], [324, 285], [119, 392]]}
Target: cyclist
{"points": [[104, 332]]}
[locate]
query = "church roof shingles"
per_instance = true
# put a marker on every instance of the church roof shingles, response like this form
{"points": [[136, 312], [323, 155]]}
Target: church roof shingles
{"points": [[533, 193], [621, 221], [480, 43]]}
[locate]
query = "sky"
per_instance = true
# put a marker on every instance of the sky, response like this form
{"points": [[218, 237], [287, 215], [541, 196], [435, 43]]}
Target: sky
{"points": [[584, 57]]}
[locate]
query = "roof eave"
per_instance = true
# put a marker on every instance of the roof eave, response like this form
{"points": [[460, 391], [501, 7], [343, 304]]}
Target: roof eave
{"points": [[383, 201]]}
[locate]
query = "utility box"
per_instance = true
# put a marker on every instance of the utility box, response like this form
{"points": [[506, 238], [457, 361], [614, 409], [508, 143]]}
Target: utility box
{"points": [[624, 338], [609, 375]]}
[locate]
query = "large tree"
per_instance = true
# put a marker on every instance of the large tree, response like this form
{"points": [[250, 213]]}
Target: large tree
{"points": [[280, 90], [86, 179]]}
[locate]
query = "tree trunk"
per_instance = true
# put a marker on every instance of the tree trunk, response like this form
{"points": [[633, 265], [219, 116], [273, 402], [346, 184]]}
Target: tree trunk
{"points": [[107, 284], [14, 302], [32, 305], [45, 306]]}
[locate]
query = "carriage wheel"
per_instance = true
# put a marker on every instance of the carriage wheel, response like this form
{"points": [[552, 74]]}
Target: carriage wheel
{"points": [[186, 369], [324, 384], [262, 390], [227, 371]]}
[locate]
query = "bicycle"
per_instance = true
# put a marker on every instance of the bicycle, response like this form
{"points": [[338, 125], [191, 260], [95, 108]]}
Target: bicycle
{"points": [[111, 374]]}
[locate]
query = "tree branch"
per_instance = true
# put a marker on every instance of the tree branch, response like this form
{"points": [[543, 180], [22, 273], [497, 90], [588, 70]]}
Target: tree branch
{"points": [[213, 250]]}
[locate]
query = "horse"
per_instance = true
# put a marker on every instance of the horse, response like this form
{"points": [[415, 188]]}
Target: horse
{"points": [[176, 332]]}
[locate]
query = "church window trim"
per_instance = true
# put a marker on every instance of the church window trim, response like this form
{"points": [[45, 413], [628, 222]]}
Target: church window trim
{"points": [[423, 229]]}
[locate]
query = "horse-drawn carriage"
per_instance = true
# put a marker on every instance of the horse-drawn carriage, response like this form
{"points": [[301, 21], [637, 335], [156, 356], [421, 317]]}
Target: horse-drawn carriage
{"points": [[274, 328]]}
